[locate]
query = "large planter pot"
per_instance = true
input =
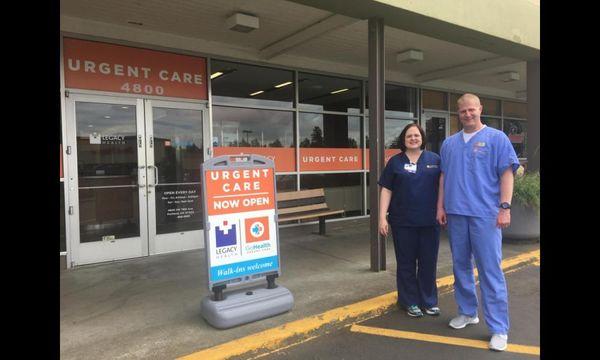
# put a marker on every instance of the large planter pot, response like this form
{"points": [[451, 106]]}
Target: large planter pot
{"points": [[524, 223]]}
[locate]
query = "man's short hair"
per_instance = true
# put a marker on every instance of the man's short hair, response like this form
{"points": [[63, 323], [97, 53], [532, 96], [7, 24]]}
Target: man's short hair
{"points": [[467, 95]]}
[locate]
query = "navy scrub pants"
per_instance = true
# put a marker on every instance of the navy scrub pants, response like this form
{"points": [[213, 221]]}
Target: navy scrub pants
{"points": [[416, 251]]}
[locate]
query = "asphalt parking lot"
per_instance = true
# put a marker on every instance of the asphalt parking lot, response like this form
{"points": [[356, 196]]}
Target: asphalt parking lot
{"points": [[396, 335]]}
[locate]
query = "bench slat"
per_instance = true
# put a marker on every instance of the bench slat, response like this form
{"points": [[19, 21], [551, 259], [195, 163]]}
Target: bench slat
{"points": [[309, 215], [304, 208], [300, 202], [302, 194]]}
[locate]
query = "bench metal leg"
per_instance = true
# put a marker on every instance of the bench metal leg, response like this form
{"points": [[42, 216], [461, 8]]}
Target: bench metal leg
{"points": [[322, 225]]}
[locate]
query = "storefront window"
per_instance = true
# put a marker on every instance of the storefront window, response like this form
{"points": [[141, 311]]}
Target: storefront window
{"points": [[241, 130], [515, 109], [251, 85], [330, 142], [435, 100], [452, 101], [327, 93], [331, 131], [517, 133], [455, 125], [400, 101], [342, 191], [285, 183], [492, 122], [490, 107]]}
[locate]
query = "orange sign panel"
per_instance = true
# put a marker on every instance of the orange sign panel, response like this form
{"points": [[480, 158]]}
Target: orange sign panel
{"points": [[329, 159], [388, 155], [239, 190], [107, 67], [284, 158]]}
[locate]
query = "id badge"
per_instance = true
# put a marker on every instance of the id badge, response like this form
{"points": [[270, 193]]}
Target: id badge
{"points": [[411, 168]]}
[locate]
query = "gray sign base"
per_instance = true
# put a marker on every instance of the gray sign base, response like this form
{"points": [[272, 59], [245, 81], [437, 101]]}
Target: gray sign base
{"points": [[246, 305]]}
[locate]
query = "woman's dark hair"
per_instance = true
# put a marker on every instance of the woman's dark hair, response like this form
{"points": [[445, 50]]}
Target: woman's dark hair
{"points": [[403, 136]]}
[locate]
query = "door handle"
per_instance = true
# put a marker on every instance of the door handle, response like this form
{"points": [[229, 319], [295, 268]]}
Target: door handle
{"points": [[155, 175]]}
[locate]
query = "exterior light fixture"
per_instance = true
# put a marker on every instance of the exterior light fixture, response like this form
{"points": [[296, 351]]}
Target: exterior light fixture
{"points": [[409, 56], [510, 76], [241, 22], [282, 85], [258, 92], [339, 91], [216, 75]]}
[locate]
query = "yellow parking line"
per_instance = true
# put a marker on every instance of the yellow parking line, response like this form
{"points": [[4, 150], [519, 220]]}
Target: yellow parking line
{"points": [[299, 331], [409, 335]]}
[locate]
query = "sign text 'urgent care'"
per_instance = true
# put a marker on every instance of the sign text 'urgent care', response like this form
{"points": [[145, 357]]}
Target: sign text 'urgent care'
{"points": [[240, 190], [95, 65]]}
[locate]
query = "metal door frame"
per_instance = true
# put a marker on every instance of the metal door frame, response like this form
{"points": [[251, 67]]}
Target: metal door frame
{"points": [[72, 179], [153, 238], [432, 113]]}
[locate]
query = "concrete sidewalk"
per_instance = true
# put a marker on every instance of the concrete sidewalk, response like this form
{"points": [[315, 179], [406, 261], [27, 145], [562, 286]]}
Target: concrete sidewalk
{"points": [[150, 307]]}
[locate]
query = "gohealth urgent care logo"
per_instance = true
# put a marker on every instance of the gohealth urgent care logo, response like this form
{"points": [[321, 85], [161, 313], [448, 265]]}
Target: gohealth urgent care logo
{"points": [[226, 238], [257, 229]]}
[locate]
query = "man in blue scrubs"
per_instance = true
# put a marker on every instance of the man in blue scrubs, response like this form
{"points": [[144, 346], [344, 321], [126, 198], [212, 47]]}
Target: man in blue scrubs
{"points": [[476, 185]]}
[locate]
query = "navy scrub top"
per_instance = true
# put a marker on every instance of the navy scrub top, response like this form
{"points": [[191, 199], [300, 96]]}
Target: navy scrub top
{"points": [[414, 194]]}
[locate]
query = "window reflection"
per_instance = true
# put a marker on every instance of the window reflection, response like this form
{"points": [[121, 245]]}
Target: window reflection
{"points": [[329, 131], [251, 85], [516, 131], [327, 93], [106, 144], [342, 191], [252, 127], [178, 146]]}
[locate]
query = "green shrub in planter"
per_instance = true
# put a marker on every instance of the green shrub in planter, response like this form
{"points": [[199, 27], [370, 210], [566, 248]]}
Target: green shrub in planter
{"points": [[525, 213], [526, 190]]}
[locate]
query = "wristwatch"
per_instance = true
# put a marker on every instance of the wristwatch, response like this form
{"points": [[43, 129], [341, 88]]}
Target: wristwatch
{"points": [[505, 205]]}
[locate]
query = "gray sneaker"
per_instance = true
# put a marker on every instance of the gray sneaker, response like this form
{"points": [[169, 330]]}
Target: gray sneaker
{"points": [[461, 321], [498, 342]]}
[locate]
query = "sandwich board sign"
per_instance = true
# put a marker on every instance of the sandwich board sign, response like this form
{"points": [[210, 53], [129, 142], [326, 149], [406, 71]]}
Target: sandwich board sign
{"points": [[242, 239]]}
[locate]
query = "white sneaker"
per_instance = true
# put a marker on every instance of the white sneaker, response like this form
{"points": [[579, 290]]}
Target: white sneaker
{"points": [[461, 321], [499, 342]]}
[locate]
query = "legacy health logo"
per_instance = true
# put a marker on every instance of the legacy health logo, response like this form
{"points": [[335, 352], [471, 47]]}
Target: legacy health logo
{"points": [[257, 229], [226, 238]]}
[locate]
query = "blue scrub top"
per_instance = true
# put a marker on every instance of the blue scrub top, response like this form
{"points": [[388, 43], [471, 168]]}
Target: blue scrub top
{"points": [[414, 195], [472, 172]]}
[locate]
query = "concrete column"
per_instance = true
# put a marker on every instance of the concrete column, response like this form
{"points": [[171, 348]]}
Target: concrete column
{"points": [[533, 115], [376, 139]]}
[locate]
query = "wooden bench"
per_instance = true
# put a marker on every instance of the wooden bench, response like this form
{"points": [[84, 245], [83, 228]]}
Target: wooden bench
{"points": [[304, 204]]}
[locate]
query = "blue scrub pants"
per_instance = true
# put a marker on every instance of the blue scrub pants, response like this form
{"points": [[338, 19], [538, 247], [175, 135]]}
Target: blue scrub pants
{"points": [[479, 238], [416, 251]]}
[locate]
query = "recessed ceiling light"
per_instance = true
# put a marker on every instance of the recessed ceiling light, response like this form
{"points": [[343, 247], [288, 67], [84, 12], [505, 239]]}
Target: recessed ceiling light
{"points": [[258, 92], [284, 84], [124, 107], [106, 117], [216, 75], [339, 91]]}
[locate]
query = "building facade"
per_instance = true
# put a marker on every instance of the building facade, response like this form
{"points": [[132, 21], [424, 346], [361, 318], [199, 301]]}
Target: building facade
{"points": [[151, 90]]}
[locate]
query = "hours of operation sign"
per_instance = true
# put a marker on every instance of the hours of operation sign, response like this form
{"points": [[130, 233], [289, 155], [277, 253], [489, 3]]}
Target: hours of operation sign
{"points": [[240, 213]]}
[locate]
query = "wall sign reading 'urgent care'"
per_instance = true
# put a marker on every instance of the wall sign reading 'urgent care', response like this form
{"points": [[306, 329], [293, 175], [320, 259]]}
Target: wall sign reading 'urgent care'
{"points": [[100, 66]]}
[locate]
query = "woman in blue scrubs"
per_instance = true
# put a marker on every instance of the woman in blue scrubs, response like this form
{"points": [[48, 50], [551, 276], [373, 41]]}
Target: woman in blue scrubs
{"points": [[409, 190]]}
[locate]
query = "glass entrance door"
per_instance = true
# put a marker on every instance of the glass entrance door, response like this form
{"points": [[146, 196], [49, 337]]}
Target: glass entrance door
{"points": [[175, 151], [136, 190], [436, 130], [108, 182]]}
